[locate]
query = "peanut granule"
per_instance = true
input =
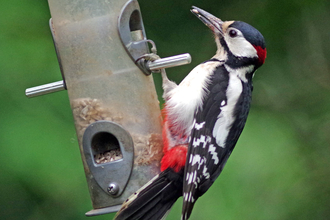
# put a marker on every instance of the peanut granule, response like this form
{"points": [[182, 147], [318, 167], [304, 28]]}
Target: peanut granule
{"points": [[87, 110], [148, 149]]}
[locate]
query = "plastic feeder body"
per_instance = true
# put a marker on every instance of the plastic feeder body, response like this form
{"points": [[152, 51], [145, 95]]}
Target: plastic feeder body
{"points": [[114, 104]]}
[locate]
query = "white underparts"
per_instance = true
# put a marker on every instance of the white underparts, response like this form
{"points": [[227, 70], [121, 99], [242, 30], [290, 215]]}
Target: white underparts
{"points": [[187, 97], [174, 139]]}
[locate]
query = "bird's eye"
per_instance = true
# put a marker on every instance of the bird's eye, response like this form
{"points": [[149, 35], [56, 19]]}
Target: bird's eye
{"points": [[232, 33]]}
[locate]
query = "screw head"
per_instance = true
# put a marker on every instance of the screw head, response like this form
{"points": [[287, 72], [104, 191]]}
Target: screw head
{"points": [[113, 188]]}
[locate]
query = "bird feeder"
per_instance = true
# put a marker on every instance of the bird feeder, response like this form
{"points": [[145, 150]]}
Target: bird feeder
{"points": [[101, 47]]}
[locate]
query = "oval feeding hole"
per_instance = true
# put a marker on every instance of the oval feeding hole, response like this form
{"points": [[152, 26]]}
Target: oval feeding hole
{"points": [[135, 21], [105, 147], [135, 26]]}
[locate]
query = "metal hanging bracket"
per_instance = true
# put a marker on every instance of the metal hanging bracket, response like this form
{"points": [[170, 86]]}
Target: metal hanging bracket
{"points": [[133, 37]]}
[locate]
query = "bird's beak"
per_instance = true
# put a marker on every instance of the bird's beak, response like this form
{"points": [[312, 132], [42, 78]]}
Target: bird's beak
{"points": [[214, 23]]}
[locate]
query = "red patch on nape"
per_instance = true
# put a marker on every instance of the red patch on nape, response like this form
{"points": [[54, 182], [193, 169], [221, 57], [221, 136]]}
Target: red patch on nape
{"points": [[262, 53]]}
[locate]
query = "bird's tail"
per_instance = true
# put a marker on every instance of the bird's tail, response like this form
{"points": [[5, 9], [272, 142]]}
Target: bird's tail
{"points": [[154, 200]]}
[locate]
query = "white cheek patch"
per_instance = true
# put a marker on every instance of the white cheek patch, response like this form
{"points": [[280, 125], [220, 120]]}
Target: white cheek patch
{"points": [[240, 47]]}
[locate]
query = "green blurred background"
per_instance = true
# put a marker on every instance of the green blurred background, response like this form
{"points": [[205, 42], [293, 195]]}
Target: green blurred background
{"points": [[280, 168]]}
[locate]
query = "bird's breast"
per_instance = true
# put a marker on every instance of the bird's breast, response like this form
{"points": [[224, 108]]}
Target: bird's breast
{"points": [[188, 96]]}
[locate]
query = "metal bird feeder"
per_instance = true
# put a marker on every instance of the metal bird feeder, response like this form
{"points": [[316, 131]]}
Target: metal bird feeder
{"points": [[101, 47]]}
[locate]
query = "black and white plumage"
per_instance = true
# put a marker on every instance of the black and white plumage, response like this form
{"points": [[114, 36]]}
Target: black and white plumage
{"points": [[218, 124], [219, 121], [204, 116]]}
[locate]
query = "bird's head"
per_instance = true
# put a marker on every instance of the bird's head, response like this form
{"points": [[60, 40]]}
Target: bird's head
{"points": [[239, 44]]}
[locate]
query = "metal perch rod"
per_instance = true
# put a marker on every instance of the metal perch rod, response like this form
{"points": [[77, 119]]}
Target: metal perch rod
{"points": [[166, 62]]}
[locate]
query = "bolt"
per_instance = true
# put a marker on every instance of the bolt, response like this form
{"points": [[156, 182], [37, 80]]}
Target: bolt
{"points": [[113, 188]]}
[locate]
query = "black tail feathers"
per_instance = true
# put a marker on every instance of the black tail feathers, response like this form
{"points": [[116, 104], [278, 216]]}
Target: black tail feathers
{"points": [[154, 199]]}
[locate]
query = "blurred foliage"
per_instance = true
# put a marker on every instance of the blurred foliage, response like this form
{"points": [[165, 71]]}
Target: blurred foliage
{"points": [[280, 167]]}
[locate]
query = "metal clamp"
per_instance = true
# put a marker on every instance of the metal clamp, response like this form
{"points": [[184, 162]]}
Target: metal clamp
{"points": [[167, 62]]}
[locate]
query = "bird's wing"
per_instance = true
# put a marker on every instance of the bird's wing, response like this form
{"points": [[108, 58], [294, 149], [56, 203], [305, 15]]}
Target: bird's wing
{"points": [[211, 140]]}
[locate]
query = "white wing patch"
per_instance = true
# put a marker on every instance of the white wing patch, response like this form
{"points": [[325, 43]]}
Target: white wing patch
{"points": [[203, 139], [199, 126], [214, 154], [191, 177], [226, 117], [188, 197], [223, 103], [196, 159], [205, 173], [220, 130]]}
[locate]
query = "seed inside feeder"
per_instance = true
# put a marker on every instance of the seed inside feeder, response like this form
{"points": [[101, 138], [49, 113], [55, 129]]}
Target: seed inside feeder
{"points": [[108, 156], [106, 148]]}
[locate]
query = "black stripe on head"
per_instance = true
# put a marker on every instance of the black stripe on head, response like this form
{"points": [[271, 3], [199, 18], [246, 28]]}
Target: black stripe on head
{"points": [[213, 60], [237, 62], [250, 33]]}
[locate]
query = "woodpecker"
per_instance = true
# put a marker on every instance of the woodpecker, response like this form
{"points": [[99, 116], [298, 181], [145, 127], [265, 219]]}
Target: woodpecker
{"points": [[204, 117]]}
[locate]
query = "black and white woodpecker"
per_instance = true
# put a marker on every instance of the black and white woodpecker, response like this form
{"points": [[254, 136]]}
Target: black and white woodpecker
{"points": [[204, 117]]}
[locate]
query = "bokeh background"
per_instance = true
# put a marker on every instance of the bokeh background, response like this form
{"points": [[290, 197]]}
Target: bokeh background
{"points": [[280, 168]]}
